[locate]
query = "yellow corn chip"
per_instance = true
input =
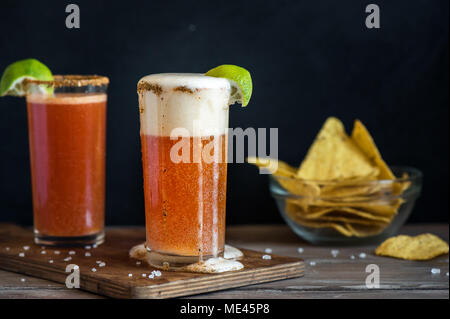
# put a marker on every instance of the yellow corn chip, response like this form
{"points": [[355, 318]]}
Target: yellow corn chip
{"points": [[364, 140], [422, 247], [275, 166], [334, 156]]}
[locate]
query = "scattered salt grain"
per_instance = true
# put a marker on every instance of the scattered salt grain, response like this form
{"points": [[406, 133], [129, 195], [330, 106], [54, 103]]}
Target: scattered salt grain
{"points": [[130, 275], [362, 255], [435, 271], [352, 257], [87, 247], [56, 252], [72, 252], [21, 255], [43, 252], [446, 274], [267, 257], [7, 248], [26, 247], [93, 270], [51, 261], [268, 250], [67, 258], [102, 264], [138, 263], [300, 250], [87, 254], [334, 253], [98, 262], [158, 273], [22, 279], [312, 263], [151, 276], [144, 275], [94, 246]]}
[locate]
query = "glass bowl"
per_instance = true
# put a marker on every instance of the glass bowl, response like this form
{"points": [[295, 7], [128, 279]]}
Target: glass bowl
{"points": [[349, 212]]}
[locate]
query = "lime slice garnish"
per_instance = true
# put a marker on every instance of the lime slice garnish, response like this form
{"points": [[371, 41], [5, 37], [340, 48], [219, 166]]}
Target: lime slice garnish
{"points": [[240, 80], [12, 82]]}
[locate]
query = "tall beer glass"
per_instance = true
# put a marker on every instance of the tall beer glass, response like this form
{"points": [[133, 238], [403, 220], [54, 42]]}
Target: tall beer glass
{"points": [[67, 152], [184, 121]]}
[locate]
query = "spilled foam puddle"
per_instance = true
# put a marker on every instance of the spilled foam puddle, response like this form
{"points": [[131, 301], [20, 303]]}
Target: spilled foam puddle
{"points": [[226, 263]]}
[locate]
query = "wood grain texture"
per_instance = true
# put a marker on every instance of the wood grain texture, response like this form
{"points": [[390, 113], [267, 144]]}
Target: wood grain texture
{"points": [[112, 280], [339, 277]]}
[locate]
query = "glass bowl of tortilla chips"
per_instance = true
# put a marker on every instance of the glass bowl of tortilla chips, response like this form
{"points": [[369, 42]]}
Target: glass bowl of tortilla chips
{"points": [[324, 212], [343, 191]]}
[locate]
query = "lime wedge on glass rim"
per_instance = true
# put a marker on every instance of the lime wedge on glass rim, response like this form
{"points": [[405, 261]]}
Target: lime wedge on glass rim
{"points": [[240, 80], [12, 82]]}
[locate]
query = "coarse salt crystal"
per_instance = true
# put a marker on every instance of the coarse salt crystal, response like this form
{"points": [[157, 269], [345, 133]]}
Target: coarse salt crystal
{"points": [[446, 274], [67, 258], [312, 263], [50, 261], [352, 257], [362, 255], [22, 279], [98, 261], [334, 253], [21, 255], [72, 252], [151, 276], [56, 252], [94, 246], [268, 250], [267, 257], [130, 275], [26, 247], [138, 263], [87, 254], [87, 247], [435, 271], [7, 248], [300, 250], [93, 270], [158, 273], [144, 275], [43, 252], [102, 264]]}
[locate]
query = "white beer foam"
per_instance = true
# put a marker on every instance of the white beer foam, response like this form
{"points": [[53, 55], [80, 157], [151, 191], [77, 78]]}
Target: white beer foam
{"points": [[67, 98], [185, 105]]}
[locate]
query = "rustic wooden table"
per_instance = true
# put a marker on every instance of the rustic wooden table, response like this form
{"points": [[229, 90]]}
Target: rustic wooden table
{"points": [[326, 276]]}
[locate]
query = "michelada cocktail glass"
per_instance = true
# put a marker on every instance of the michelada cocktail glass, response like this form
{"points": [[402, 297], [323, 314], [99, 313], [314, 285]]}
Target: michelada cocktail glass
{"points": [[184, 123], [67, 130]]}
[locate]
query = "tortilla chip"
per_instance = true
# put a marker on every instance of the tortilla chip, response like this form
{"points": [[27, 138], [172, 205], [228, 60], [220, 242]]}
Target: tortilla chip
{"points": [[273, 165], [299, 187], [364, 140], [336, 226], [334, 156], [422, 247], [365, 230]]}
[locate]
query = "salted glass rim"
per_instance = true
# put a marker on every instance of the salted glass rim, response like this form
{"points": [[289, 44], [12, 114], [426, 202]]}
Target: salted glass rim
{"points": [[71, 80]]}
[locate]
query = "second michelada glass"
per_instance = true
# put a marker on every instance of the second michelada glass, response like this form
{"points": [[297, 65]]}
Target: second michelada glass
{"points": [[184, 122], [67, 131]]}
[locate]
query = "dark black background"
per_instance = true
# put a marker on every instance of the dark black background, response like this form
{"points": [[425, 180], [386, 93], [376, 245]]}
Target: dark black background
{"points": [[309, 60]]}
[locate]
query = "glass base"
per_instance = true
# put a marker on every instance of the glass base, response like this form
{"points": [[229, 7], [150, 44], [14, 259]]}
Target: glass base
{"points": [[55, 241], [173, 262]]}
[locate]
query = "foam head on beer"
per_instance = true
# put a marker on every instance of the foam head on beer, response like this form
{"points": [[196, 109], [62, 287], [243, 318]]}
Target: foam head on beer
{"points": [[184, 104]]}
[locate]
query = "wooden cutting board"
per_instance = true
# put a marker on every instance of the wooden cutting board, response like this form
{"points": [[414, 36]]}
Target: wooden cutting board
{"points": [[112, 280]]}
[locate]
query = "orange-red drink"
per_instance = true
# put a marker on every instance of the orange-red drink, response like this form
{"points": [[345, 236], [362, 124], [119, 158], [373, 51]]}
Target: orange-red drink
{"points": [[67, 151], [184, 120]]}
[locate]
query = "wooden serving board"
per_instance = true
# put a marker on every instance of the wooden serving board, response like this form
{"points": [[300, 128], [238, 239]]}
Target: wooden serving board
{"points": [[112, 280]]}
